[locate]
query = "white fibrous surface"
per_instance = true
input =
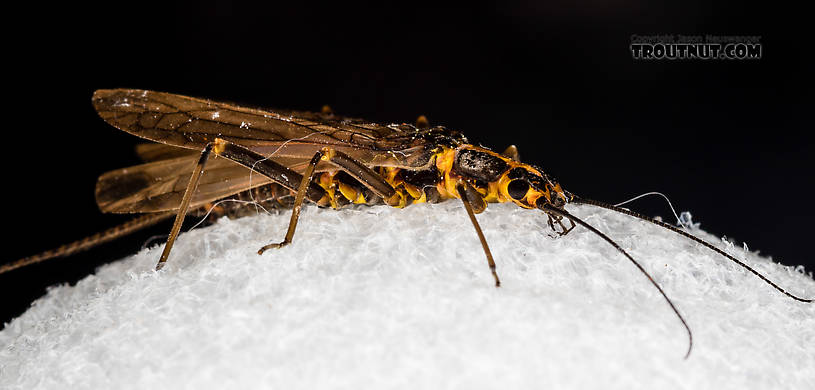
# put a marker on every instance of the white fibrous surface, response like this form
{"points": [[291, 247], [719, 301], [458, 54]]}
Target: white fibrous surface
{"points": [[380, 298]]}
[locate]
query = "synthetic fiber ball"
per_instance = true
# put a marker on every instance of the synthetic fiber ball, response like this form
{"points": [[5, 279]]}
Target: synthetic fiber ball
{"points": [[380, 298]]}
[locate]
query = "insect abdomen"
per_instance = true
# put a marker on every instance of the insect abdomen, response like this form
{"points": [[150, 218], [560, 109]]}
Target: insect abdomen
{"points": [[267, 197]]}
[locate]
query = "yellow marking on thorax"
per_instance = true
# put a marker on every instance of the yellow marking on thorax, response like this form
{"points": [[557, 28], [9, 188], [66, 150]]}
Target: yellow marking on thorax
{"points": [[444, 163], [493, 193]]}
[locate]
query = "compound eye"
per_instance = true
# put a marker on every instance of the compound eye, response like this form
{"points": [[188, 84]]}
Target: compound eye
{"points": [[517, 189]]}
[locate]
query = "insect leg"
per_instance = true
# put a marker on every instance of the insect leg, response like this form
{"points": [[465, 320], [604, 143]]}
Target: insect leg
{"points": [[257, 162], [185, 204], [308, 176], [566, 230], [278, 173], [559, 220], [469, 201], [357, 170]]}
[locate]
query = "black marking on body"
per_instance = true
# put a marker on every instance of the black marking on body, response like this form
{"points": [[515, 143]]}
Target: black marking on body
{"points": [[479, 165], [421, 179]]}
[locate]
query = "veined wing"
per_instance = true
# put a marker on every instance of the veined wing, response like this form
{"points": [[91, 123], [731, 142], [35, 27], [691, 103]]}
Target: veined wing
{"points": [[160, 185], [191, 123], [158, 152]]}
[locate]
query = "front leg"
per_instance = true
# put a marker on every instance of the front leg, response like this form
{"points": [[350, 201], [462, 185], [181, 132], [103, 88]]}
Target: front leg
{"points": [[472, 202], [559, 220]]}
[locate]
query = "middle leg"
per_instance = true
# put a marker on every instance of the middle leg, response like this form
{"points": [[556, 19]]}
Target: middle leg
{"points": [[356, 169]]}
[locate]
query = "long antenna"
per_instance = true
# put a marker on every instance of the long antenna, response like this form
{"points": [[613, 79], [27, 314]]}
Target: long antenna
{"points": [[551, 209], [578, 200]]}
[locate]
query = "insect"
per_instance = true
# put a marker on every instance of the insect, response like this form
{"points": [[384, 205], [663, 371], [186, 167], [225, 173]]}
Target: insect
{"points": [[288, 157]]}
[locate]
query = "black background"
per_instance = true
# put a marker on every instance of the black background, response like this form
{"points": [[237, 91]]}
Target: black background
{"points": [[727, 140]]}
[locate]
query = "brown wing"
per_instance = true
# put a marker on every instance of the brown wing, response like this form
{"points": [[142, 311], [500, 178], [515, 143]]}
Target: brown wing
{"points": [[160, 185], [157, 152], [192, 123]]}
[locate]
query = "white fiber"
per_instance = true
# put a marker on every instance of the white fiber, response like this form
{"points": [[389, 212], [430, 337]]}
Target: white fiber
{"points": [[380, 298]]}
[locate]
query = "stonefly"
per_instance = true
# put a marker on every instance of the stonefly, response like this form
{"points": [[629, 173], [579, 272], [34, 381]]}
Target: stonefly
{"points": [[281, 158]]}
